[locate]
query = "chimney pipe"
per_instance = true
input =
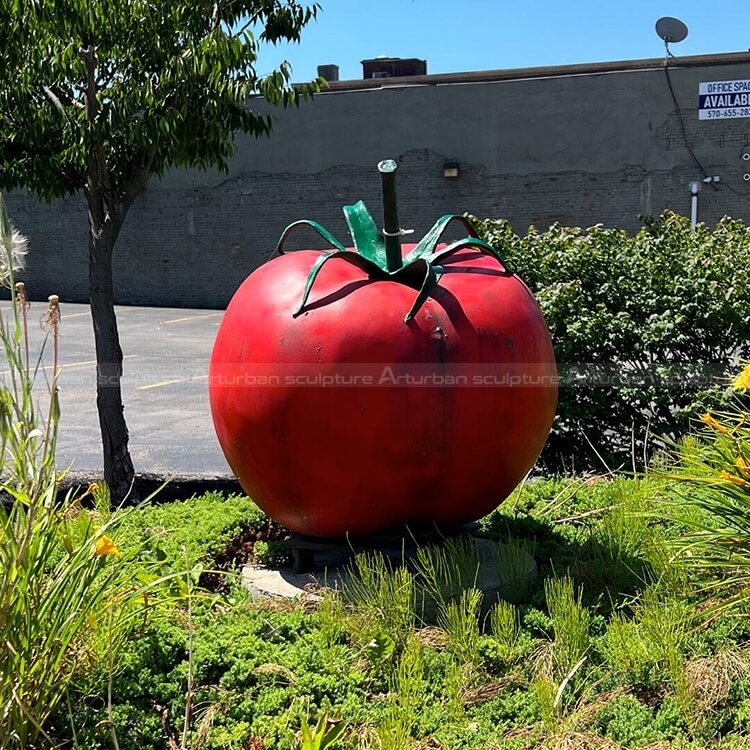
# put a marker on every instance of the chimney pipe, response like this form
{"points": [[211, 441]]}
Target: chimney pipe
{"points": [[329, 72]]}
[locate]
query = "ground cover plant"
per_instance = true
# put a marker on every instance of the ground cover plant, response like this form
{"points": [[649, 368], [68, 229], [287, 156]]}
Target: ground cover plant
{"points": [[616, 642]]}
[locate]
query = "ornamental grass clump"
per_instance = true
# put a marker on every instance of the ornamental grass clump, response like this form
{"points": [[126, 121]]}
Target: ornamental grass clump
{"points": [[445, 571], [67, 598], [570, 622], [459, 618]]}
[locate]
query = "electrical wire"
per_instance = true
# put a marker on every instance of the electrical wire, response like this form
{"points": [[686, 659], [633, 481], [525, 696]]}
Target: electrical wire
{"points": [[681, 120]]}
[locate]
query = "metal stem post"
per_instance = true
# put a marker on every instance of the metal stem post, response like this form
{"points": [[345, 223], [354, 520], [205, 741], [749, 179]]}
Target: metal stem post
{"points": [[391, 227]]}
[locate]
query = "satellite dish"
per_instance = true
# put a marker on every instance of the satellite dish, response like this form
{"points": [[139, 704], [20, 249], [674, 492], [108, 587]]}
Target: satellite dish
{"points": [[671, 30]]}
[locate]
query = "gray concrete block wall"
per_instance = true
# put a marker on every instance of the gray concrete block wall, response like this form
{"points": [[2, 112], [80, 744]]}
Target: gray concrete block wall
{"points": [[576, 149]]}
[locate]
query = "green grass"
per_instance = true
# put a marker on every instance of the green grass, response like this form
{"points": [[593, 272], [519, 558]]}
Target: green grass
{"points": [[459, 619]]}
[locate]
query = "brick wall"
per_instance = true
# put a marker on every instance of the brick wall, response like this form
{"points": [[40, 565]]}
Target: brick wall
{"points": [[581, 150]]}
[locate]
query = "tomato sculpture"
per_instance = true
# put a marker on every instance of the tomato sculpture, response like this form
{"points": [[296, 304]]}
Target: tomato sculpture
{"points": [[363, 389]]}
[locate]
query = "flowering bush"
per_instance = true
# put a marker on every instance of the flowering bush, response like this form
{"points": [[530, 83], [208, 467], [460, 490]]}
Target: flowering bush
{"points": [[713, 472]]}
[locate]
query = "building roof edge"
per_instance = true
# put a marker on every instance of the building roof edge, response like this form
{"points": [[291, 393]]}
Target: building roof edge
{"points": [[549, 71]]}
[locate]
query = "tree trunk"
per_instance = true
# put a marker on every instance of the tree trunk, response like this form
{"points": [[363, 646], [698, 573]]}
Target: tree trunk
{"points": [[118, 466]]}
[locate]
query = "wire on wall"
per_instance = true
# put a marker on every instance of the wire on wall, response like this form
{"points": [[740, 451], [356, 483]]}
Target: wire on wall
{"points": [[681, 120]]}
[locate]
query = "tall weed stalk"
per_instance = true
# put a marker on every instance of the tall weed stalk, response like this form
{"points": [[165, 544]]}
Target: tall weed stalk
{"points": [[405, 699], [383, 595], [570, 621], [445, 571], [460, 620], [505, 627]]}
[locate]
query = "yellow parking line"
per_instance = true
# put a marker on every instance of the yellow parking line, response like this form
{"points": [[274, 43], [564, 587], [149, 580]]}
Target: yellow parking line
{"points": [[170, 382], [87, 362], [192, 317], [48, 366], [75, 315]]}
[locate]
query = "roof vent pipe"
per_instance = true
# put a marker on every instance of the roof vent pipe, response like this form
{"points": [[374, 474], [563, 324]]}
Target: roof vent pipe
{"points": [[329, 72]]}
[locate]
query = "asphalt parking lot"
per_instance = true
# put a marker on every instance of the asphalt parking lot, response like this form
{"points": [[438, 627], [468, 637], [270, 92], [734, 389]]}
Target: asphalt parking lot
{"points": [[165, 360]]}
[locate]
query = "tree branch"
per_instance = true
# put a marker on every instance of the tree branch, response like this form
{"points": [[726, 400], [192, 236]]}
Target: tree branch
{"points": [[100, 173], [139, 175], [55, 101], [88, 56], [216, 15]]}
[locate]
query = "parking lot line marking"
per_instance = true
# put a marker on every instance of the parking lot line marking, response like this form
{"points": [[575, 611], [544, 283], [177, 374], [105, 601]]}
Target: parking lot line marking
{"points": [[47, 366], [87, 362], [170, 382], [192, 317], [38, 304]]}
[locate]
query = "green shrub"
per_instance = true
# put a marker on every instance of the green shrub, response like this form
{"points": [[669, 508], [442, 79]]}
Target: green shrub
{"points": [[671, 303]]}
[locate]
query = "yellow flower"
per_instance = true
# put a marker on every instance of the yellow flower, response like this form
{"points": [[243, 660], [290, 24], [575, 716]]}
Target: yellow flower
{"points": [[711, 422], [89, 490], [105, 546], [725, 475], [742, 382], [743, 465]]}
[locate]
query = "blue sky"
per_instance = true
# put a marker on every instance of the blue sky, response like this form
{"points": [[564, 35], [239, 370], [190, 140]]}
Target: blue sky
{"points": [[464, 35]]}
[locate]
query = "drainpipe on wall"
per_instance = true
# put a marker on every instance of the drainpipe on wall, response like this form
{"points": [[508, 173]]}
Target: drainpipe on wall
{"points": [[694, 188]]}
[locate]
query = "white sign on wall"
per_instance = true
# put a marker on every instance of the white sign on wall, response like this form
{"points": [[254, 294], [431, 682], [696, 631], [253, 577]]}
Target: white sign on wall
{"points": [[719, 100]]}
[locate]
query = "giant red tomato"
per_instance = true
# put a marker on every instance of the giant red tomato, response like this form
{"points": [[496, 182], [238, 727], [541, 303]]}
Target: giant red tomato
{"points": [[347, 418]]}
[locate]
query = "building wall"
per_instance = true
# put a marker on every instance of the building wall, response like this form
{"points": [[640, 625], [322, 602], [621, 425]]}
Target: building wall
{"points": [[579, 147]]}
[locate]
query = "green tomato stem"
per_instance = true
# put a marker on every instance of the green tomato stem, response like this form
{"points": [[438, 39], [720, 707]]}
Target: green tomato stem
{"points": [[391, 227]]}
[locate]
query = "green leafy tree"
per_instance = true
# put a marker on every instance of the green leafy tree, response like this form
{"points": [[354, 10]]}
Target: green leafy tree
{"points": [[96, 97]]}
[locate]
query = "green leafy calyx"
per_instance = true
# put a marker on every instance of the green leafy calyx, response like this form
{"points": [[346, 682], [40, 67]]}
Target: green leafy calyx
{"points": [[420, 268]]}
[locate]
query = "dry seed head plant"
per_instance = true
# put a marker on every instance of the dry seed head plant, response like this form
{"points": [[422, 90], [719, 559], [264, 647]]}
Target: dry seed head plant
{"points": [[15, 247]]}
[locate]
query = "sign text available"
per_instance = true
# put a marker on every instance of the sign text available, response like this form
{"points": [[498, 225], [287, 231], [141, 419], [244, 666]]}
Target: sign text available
{"points": [[719, 100]]}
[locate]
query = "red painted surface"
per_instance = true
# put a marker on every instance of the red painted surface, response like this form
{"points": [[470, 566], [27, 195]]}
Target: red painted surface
{"points": [[362, 459]]}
